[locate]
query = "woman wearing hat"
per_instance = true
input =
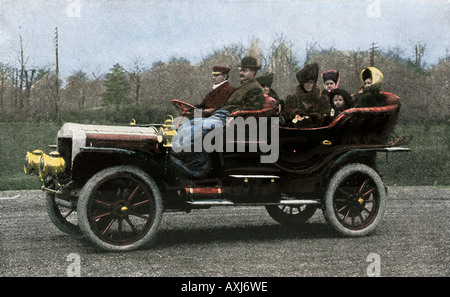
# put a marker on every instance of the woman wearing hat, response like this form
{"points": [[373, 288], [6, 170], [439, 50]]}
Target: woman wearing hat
{"points": [[369, 95], [308, 107], [331, 79]]}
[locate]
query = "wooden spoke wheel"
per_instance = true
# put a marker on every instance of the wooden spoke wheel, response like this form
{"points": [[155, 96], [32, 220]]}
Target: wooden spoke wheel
{"points": [[120, 209], [355, 200]]}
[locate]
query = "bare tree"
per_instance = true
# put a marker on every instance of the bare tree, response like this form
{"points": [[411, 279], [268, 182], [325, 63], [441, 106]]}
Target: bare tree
{"points": [[135, 76]]}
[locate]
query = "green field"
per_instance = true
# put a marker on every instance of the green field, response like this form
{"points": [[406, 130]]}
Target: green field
{"points": [[426, 164]]}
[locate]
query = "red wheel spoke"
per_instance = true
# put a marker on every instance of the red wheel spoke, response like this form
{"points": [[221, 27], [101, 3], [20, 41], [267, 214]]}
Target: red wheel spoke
{"points": [[341, 209], [109, 226], [68, 213], [103, 203], [140, 203], [363, 186], [100, 216], [134, 192], [346, 215], [131, 225], [370, 191], [121, 209]]}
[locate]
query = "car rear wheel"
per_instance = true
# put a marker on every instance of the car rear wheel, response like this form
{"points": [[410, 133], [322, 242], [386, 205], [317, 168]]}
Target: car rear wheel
{"points": [[291, 215], [355, 200], [120, 208]]}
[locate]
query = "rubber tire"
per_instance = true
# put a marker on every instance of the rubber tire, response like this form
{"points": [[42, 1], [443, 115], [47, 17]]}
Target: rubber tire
{"points": [[289, 220], [328, 207], [149, 238], [56, 218]]}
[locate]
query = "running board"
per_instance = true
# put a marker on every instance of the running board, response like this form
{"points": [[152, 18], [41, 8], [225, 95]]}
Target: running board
{"points": [[217, 202], [299, 202], [221, 202]]}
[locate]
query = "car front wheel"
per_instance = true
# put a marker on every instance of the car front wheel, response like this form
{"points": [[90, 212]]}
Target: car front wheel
{"points": [[120, 208]]}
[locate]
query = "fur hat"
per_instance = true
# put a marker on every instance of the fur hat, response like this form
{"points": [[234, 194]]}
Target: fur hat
{"points": [[309, 72], [347, 97], [332, 74], [250, 62], [266, 79]]}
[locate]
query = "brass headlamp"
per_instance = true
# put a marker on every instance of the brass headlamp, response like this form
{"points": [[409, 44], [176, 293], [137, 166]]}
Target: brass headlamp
{"points": [[52, 164], [32, 161], [166, 133], [44, 165]]}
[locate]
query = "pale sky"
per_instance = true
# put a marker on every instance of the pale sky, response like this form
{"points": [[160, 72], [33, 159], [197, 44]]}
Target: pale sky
{"points": [[96, 34]]}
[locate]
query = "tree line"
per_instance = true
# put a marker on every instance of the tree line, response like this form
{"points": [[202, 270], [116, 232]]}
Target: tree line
{"points": [[39, 94]]}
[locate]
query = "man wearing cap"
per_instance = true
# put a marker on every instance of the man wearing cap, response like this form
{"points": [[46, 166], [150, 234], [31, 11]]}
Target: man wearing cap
{"points": [[220, 92], [246, 100]]}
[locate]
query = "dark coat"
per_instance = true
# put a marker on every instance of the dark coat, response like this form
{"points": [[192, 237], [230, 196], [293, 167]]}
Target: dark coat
{"points": [[314, 105], [369, 98], [248, 96], [217, 97]]}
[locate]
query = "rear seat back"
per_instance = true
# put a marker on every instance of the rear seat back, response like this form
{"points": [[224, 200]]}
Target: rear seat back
{"points": [[368, 125]]}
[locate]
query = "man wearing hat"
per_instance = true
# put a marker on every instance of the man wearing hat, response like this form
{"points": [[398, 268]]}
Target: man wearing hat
{"points": [[249, 95], [248, 99], [220, 92]]}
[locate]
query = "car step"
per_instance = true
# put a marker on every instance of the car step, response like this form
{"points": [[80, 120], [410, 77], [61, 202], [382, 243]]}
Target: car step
{"points": [[222, 202], [299, 202], [211, 202]]}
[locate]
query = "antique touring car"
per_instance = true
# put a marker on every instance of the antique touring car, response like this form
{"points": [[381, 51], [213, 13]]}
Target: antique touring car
{"points": [[111, 184]]}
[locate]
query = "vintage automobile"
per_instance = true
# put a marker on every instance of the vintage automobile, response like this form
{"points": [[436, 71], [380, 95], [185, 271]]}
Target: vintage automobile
{"points": [[112, 184]]}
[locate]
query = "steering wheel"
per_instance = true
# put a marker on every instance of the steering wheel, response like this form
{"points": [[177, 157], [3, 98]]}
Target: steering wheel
{"points": [[183, 106]]}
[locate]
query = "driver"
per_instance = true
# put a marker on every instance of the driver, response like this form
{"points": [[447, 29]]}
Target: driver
{"points": [[247, 97], [220, 92]]}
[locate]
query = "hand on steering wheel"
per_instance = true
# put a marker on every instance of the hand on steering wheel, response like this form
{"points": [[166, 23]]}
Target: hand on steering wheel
{"points": [[184, 107]]}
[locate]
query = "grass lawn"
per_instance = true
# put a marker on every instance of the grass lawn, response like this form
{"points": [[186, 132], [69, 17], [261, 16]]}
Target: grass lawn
{"points": [[426, 164]]}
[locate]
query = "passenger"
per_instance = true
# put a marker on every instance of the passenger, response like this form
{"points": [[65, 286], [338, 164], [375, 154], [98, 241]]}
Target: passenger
{"points": [[266, 81], [369, 94], [272, 99], [247, 97], [331, 79], [340, 101], [220, 92], [308, 107]]}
